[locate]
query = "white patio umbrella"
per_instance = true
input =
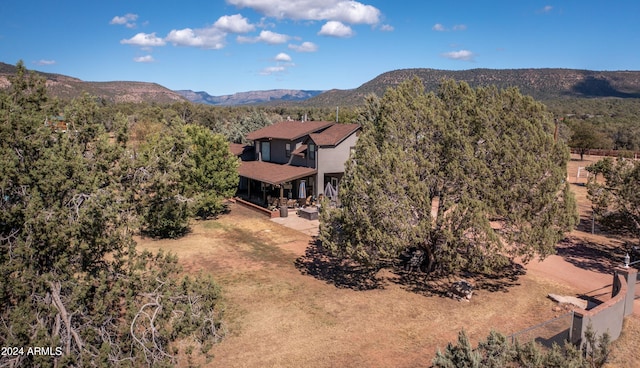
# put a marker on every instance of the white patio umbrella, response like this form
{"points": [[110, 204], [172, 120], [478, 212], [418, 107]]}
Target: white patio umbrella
{"points": [[302, 191], [330, 192]]}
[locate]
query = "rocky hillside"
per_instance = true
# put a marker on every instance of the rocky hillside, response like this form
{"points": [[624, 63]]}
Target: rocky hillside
{"points": [[542, 84], [249, 98], [65, 87]]}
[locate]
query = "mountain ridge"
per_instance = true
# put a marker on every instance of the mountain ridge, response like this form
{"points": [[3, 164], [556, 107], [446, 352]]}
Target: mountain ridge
{"points": [[249, 97], [66, 87], [541, 83]]}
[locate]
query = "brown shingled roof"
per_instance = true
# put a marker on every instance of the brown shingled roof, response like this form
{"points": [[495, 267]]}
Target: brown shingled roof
{"points": [[271, 173], [334, 134], [289, 129], [236, 148]]}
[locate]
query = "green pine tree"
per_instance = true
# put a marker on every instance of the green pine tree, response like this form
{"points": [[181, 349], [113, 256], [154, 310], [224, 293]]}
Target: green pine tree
{"points": [[616, 201], [468, 176], [460, 355], [70, 275], [214, 176]]}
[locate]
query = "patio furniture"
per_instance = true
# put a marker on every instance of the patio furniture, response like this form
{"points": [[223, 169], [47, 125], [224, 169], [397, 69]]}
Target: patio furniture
{"points": [[309, 213]]}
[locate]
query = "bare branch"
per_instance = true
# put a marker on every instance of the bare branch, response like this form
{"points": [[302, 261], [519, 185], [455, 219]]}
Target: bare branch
{"points": [[57, 302]]}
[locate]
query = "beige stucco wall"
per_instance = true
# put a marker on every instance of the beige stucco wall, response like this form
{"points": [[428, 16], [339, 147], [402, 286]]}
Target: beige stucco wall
{"points": [[333, 159]]}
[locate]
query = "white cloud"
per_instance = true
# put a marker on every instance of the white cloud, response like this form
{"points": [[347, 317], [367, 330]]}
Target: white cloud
{"points": [[145, 40], [282, 57], [386, 28], [234, 24], [272, 70], [304, 47], [336, 29], [144, 59], [465, 55], [244, 39], [45, 62], [269, 37], [547, 9], [127, 20], [206, 38], [438, 27], [272, 37], [347, 11], [283, 63]]}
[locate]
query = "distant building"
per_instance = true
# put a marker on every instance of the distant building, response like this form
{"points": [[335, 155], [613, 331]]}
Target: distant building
{"points": [[57, 123]]}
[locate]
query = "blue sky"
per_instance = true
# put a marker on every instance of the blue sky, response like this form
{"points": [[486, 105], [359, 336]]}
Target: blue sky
{"points": [[228, 46]]}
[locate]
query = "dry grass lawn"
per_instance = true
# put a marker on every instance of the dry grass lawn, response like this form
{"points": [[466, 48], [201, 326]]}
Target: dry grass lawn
{"points": [[287, 305]]}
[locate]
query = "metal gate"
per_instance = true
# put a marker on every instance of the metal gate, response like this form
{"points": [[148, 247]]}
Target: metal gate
{"points": [[556, 330]]}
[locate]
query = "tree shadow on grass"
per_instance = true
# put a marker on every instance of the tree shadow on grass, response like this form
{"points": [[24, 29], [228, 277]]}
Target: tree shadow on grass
{"points": [[421, 283], [438, 285], [343, 273], [319, 263], [589, 255], [586, 225], [501, 280], [172, 233]]}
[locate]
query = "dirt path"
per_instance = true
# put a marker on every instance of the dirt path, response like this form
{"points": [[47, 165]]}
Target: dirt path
{"points": [[588, 282]]}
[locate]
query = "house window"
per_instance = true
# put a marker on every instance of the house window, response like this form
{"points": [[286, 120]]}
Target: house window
{"points": [[312, 151], [287, 149], [265, 151]]}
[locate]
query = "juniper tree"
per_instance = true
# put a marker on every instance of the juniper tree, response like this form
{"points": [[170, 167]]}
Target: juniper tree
{"points": [[499, 351], [468, 176], [214, 175], [585, 137], [459, 355], [182, 171], [162, 163], [70, 275], [616, 201]]}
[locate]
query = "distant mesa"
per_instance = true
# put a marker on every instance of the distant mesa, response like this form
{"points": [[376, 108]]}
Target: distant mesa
{"points": [[249, 98], [542, 84], [65, 87]]}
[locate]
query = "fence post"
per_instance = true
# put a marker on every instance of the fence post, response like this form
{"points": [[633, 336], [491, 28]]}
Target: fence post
{"points": [[630, 274], [575, 334], [570, 334]]}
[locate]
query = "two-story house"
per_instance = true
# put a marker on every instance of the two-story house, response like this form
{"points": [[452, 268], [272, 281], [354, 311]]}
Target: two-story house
{"points": [[295, 159]]}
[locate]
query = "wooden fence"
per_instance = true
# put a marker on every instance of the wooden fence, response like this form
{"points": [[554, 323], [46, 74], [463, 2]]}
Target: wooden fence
{"points": [[609, 153]]}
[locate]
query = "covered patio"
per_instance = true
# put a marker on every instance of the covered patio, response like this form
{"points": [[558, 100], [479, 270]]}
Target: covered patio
{"points": [[275, 185]]}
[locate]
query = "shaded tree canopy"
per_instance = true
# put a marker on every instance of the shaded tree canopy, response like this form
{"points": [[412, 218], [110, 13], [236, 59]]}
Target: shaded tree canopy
{"points": [[585, 137], [70, 275], [616, 201], [468, 177]]}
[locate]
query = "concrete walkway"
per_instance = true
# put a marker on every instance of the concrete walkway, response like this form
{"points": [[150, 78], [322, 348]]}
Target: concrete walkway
{"points": [[293, 221]]}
